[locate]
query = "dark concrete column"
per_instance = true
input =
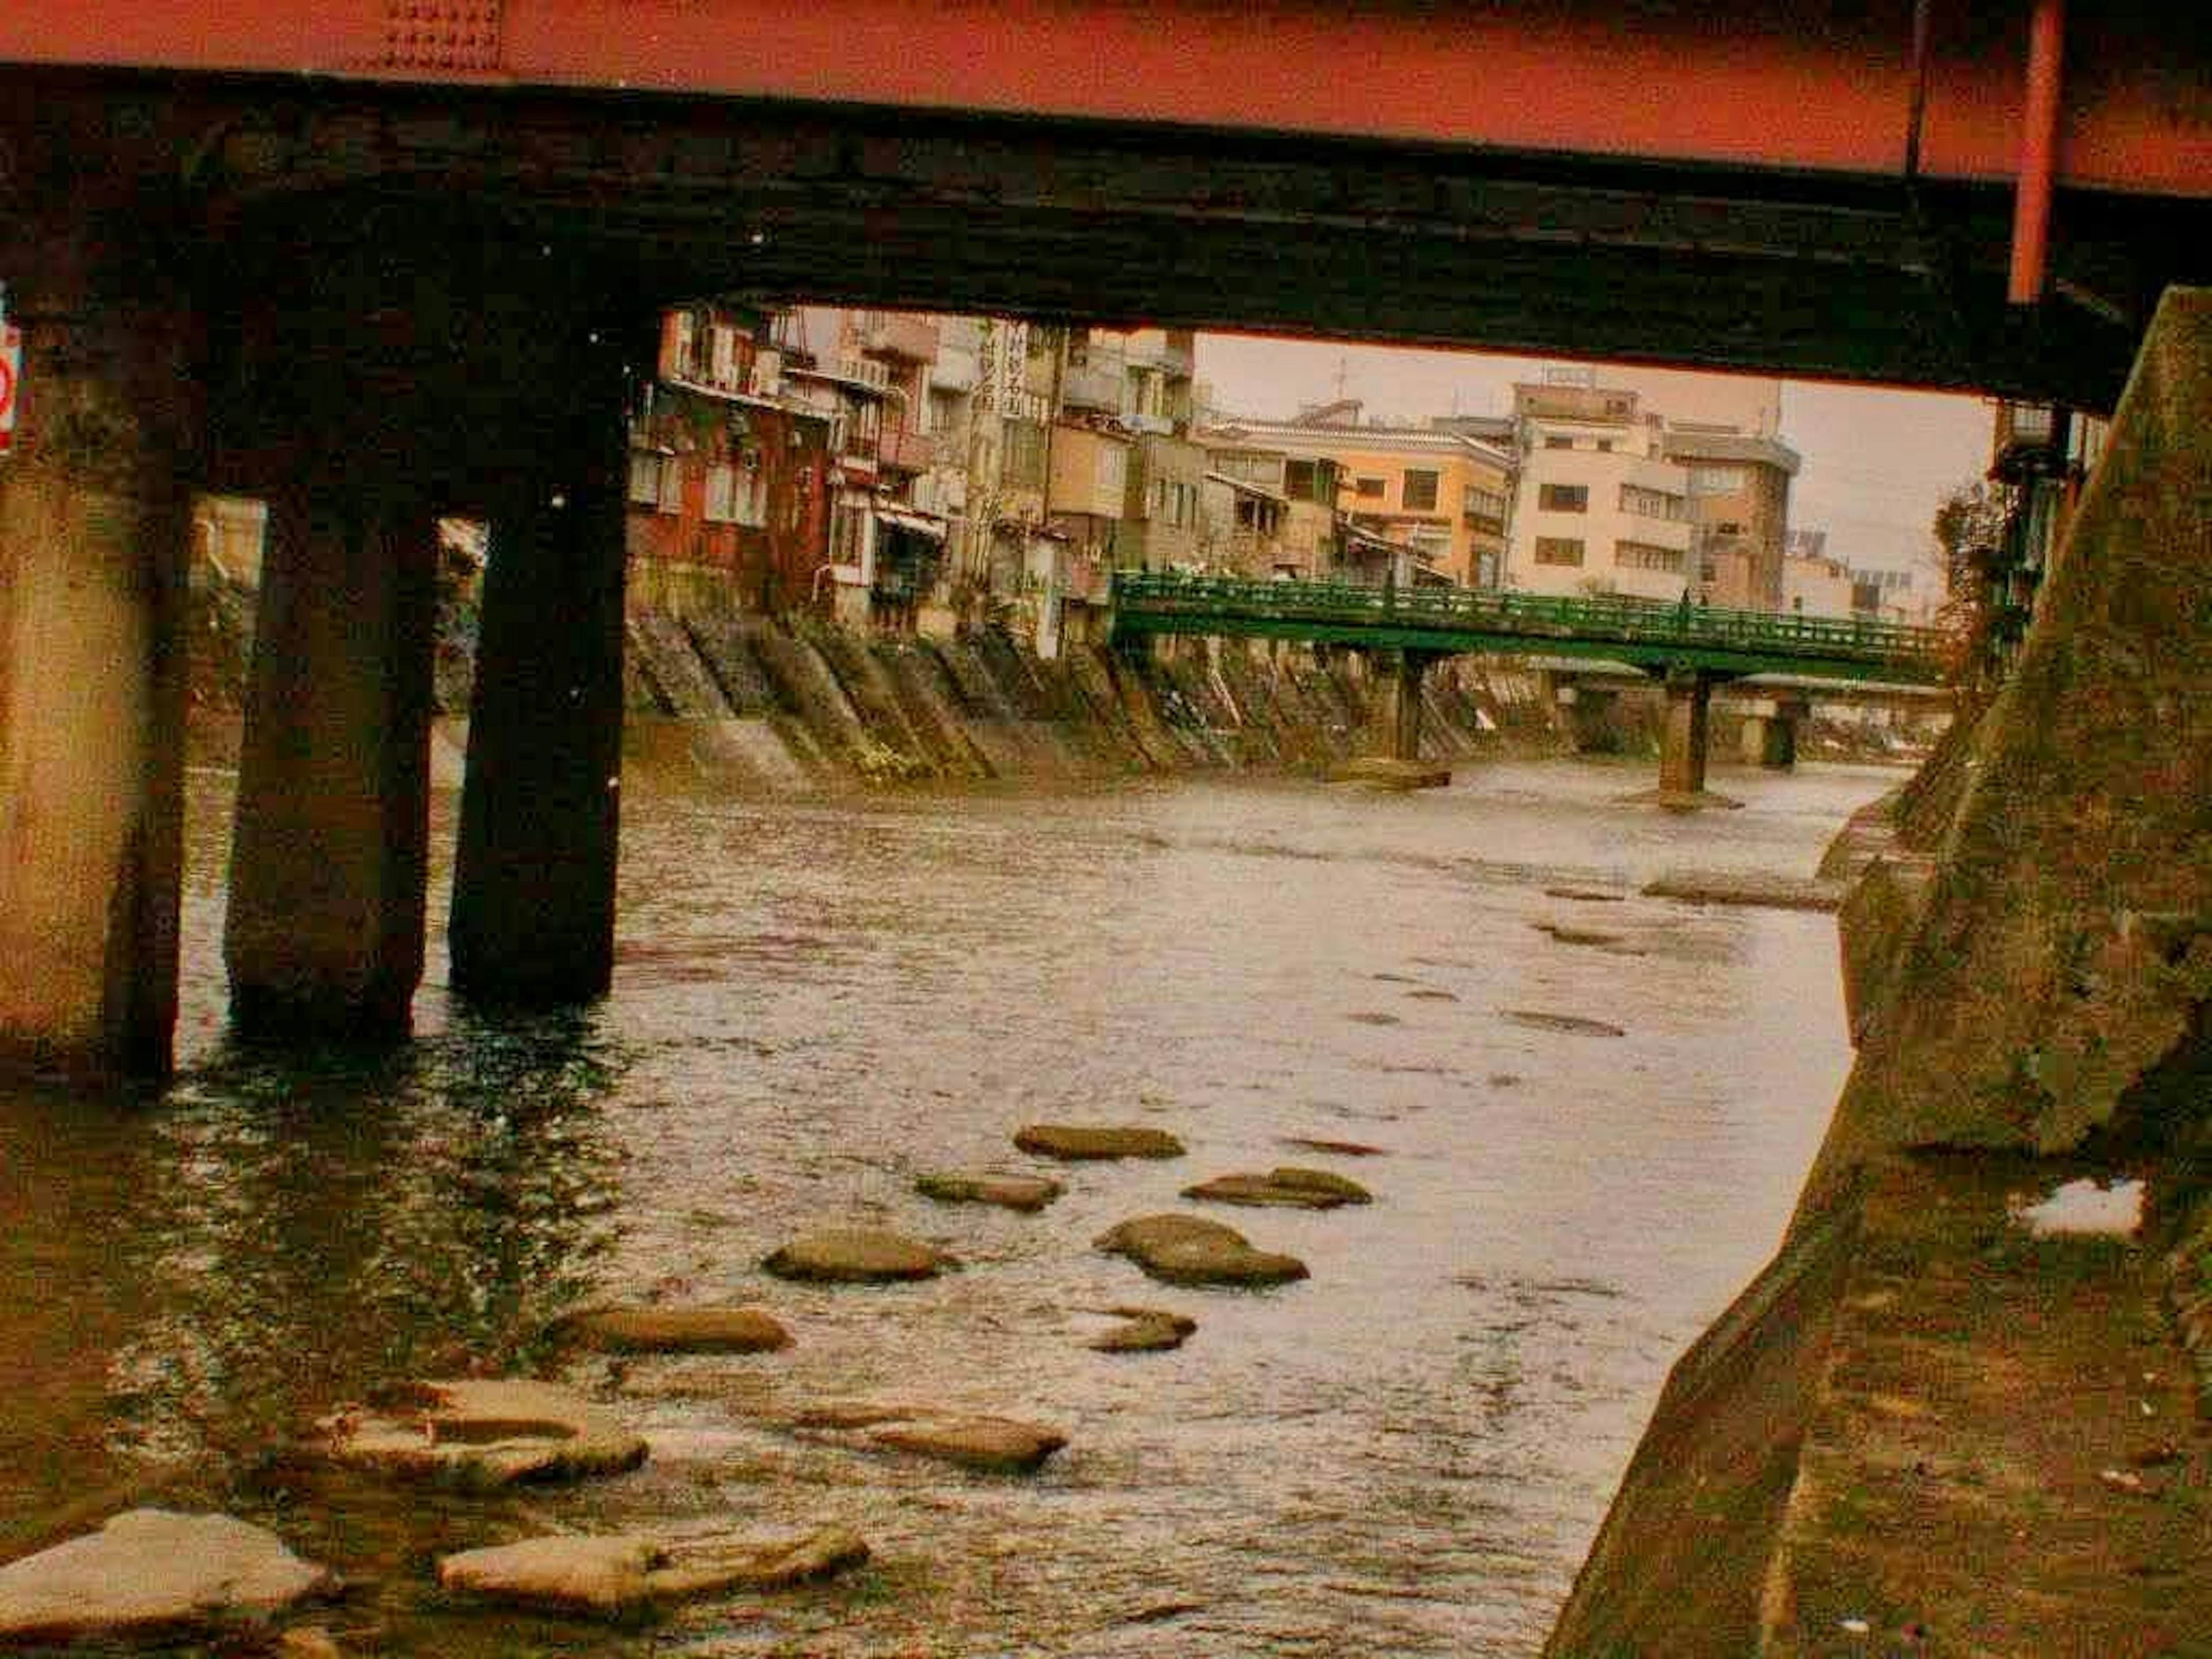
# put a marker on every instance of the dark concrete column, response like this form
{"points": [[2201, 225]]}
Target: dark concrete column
{"points": [[95, 512], [1683, 744], [1589, 710], [1770, 736], [534, 880], [330, 846], [1396, 720]]}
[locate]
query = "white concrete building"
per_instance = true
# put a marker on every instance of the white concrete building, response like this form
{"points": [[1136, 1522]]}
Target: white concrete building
{"points": [[1599, 509]]}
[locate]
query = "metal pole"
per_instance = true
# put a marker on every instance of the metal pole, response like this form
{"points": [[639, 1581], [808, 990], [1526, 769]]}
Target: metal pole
{"points": [[2038, 151]]}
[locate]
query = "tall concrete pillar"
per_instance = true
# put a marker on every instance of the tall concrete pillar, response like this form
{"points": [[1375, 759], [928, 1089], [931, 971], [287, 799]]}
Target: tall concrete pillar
{"points": [[95, 513], [1683, 742], [1394, 722], [534, 879], [331, 841], [1589, 711]]}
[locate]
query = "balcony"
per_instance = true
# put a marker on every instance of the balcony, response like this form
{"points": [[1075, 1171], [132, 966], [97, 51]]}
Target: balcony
{"points": [[1092, 385], [902, 451], [891, 334], [2030, 441], [1153, 348], [956, 369]]}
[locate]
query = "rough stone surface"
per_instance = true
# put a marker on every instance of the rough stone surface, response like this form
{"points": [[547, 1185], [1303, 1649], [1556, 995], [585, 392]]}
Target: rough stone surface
{"points": [[857, 1255], [1075, 1142], [612, 1575], [1380, 771], [1143, 1330], [1184, 1249], [997, 1445], [2065, 946], [1026, 1193], [1284, 1187], [677, 1330], [152, 1574], [483, 1434]]}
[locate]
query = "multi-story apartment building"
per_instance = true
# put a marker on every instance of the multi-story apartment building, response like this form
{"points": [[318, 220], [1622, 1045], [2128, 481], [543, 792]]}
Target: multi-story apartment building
{"points": [[731, 476], [1301, 538], [1446, 496], [1739, 490], [1600, 508], [1814, 584]]}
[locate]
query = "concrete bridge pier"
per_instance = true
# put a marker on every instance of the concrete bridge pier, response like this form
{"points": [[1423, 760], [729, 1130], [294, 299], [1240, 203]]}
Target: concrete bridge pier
{"points": [[1394, 722], [95, 513], [1770, 733], [1685, 737], [532, 920], [330, 846], [1589, 714]]}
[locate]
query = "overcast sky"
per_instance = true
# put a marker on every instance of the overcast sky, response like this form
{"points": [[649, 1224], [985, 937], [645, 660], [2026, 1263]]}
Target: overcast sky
{"points": [[1877, 462]]}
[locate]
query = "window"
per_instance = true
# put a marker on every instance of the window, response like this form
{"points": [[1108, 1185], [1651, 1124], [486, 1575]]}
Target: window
{"points": [[1302, 481], [1559, 443], [1558, 550], [645, 477], [671, 485], [1025, 453], [721, 494], [1370, 487], [1564, 498], [846, 530], [1650, 503], [725, 354], [1648, 555], [736, 493], [1605, 445], [1420, 492], [1430, 542]]}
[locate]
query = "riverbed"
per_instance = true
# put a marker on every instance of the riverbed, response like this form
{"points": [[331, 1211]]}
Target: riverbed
{"points": [[815, 1000]]}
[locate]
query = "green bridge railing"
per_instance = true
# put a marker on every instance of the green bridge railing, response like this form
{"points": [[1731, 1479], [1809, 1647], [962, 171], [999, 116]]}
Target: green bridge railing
{"points": [[1645, 632]]}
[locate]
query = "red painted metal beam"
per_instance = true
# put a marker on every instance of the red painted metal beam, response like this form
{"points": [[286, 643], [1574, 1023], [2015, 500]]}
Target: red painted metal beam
{"points": [[1811, 86], [2038, 151]]}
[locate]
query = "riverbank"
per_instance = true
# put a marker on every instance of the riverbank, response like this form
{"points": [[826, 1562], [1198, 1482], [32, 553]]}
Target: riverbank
{"points": [[1963, 1411]]}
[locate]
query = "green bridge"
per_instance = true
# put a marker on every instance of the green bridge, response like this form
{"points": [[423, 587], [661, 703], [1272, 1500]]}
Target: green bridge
{"points": [[1692, 648], [1646, 633]]}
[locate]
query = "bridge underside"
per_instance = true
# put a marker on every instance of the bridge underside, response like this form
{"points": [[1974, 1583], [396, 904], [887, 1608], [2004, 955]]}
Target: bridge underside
{"points": [[1833, 275]]}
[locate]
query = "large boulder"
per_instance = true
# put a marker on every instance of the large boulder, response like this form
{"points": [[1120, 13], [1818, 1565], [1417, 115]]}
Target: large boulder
{"points": [[153, 1574], [1073, 1142], [1287, 1187], [479, 1434], [613, 1576], [1184, 1250], [677, 1330], [1008, 1192], [857, 1255]]}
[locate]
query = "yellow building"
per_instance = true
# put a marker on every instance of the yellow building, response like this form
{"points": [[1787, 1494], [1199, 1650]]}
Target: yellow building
{"points": [[1444, 494]]}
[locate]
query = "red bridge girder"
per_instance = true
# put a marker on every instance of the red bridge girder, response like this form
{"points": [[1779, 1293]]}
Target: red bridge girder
{"points": [[1823, 87]]}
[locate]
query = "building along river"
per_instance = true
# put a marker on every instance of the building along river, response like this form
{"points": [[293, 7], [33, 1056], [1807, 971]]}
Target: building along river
{"points": [[816, 1000]]}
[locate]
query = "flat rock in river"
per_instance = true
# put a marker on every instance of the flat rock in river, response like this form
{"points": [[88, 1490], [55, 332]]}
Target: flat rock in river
{"points": [[1010, 1191], [1574, 1022], [857, 1255], [677, 1330], [614, 1575], [483, 1434], [1079, 1142], [1185, 1250], [1284, 1188], [152, 1574], [1143, 1330], [998, 1445], [1335, 1148]]}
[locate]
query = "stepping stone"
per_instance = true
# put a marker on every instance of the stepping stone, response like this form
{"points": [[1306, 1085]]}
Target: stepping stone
{"points": [[1184, 1250], [1586, 894], [1574, 1022], [1575, 935], [996, 1445], [1025, 1192], [1077, 1142], [150, 1574], [677, 1330], [1339, 1148], [857, 1255], [1284, 1187], [613, 1576], [483, 1435], [1143, 1330]]}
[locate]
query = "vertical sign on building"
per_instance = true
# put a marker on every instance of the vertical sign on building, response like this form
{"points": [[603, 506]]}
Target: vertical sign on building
{"points": [[11, 375]]}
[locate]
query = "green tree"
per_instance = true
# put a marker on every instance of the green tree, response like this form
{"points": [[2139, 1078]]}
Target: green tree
{"points": [[1969, 529]]}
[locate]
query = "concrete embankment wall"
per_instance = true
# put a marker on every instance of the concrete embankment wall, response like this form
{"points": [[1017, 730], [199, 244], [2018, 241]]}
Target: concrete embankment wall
{"points": [[1927, 1427], [718, 699]]}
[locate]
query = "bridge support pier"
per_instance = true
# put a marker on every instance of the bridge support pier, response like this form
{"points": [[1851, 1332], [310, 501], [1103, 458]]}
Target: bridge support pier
{"points": [[1684, 739], [95, 514], [1589, 715], [329, 848], [1770, 734], [1394, 722], [533, 908]]}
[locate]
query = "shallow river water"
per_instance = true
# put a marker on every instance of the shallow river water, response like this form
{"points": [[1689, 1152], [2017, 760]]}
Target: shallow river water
{"points": [[1407, 1454]]}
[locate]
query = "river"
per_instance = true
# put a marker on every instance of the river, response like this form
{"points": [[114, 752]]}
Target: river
{"points": [[1407, 1454]]}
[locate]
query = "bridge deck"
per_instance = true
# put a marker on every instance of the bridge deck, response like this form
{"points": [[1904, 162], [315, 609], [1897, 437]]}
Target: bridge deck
{"points": [[1646, 633]]}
